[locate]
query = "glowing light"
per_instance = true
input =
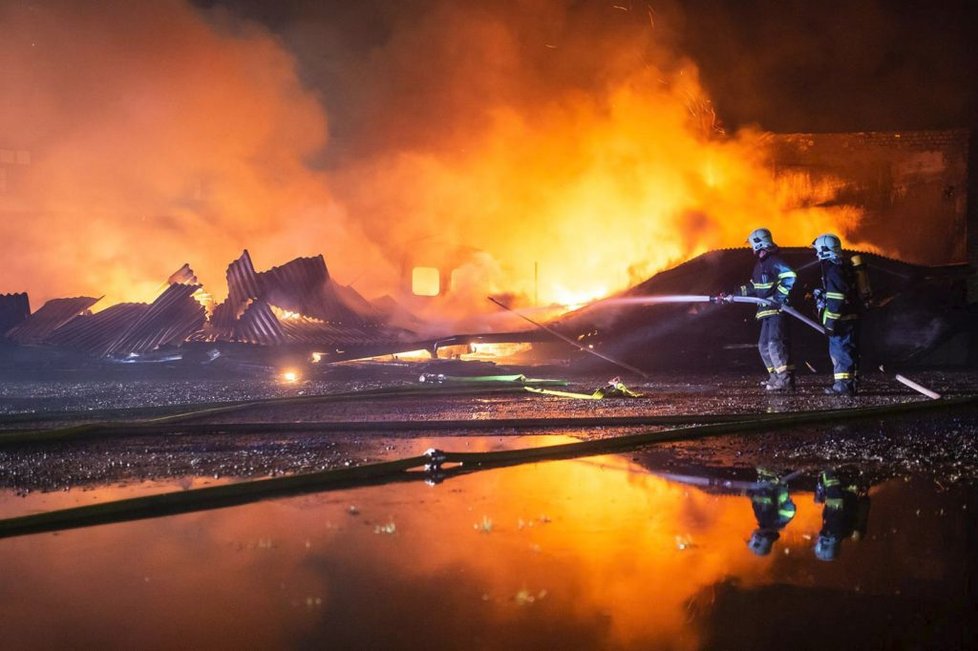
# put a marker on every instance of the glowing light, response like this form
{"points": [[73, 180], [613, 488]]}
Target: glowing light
{"points": [[289, 376], [317, 357], [285, 315], [578, 297], [490, 351], [425, 281]]}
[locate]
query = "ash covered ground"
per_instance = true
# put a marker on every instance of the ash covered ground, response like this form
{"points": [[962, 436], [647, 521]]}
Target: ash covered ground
{"points": [[940, 444]]}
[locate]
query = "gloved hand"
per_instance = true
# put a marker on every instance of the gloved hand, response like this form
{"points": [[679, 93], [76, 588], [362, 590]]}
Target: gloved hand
{"points": [[819, 296]]}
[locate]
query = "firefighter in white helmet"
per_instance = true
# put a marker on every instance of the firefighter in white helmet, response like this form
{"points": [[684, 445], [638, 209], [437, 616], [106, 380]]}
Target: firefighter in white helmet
{"points": [[839, 303], [771, 279]]}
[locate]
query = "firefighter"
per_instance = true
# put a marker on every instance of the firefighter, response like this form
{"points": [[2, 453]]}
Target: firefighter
{"points": [[771, 279], [773, 509], [844, 516], [838, 301]]}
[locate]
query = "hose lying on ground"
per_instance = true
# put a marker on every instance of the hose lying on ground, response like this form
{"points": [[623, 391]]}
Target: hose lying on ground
{"points": [[119, 430], [401, 470], [457, 386], [455, 389]]}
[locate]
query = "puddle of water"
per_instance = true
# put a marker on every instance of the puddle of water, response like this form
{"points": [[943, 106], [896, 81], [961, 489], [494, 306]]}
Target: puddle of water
{"points": [[590, 553]]}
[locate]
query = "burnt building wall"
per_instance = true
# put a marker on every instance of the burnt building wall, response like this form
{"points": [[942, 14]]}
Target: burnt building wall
{"points": [[912, 187]]}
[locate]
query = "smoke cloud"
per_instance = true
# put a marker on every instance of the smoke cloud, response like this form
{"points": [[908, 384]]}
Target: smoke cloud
{"points": [[156, 135], [548, 150]]}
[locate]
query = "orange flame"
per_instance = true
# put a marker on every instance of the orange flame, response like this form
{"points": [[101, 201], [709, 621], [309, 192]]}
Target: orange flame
{"points": [[178, 134]]}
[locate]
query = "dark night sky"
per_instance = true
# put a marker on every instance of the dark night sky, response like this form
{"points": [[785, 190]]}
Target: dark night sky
{"points": [[786, 65], [798, 65]]}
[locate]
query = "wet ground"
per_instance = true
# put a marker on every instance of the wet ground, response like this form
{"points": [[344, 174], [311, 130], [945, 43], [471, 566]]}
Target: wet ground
{"points": [[591, 553], [645, 548], [939, 443]]}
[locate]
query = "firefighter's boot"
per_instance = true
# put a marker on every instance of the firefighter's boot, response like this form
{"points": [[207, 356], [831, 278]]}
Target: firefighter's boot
{"points": [[840, 388], [783, 382]]}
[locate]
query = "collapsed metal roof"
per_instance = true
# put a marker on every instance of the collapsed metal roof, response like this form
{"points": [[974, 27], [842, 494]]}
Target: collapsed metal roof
{"points": [[97, 333], [36, 328], [170, 319], [295, 303]]}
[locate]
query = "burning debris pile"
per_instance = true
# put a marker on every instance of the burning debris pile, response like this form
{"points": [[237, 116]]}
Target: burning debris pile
{"points": [[919, 315], [295, 304]]}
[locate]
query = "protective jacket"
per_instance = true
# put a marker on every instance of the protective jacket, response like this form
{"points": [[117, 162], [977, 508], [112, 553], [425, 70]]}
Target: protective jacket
{"points": [[845, 515], [841, 293], [772, 279], [772, 505]]}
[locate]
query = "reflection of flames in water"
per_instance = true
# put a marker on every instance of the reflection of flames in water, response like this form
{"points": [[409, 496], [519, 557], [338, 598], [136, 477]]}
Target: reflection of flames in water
{"points": [[597, 547]]}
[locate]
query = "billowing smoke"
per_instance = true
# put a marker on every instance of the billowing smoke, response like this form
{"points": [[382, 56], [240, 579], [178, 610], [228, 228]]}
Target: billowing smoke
{"points": [[552, 151], [571, 142], [155, 135]]}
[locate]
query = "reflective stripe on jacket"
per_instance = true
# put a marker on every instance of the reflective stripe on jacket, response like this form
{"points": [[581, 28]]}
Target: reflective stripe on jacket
{"points": [[772, 279], [841, 300]]}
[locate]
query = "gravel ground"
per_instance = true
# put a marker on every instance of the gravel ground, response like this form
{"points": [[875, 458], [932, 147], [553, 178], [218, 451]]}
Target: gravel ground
{"points": [[940, 444]]}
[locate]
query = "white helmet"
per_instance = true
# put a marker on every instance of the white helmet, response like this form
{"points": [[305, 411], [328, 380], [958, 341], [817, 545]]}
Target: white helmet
{"points": [[761, 541], [826, 548], [827, 247], [759, 239]]}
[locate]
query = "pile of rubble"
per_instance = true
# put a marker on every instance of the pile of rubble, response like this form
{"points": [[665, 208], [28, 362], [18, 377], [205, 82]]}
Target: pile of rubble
{"points": [[295, 303]]}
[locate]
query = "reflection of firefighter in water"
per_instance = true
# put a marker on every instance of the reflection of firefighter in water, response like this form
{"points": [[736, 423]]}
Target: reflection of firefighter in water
{"points": [[845, 514], [773, 509]]}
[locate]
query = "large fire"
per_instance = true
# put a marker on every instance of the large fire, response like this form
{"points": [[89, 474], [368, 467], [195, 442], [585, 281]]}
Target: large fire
{"points": [[551, 154]]}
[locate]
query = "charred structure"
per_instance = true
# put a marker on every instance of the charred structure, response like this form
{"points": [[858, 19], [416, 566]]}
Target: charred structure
{"points": [[920, 316], [294, 305]]}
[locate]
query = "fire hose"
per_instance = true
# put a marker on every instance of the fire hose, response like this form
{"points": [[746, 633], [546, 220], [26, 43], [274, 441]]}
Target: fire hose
{"points": [[428, 467], [787, 309], [697, 298]]}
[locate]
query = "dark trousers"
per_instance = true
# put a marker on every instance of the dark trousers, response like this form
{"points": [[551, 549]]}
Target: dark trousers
{"points": [[773, 344], [844, 351]]}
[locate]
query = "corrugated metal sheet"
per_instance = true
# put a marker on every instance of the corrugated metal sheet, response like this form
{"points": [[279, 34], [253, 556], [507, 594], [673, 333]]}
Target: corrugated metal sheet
{"points": [[242, 280], [243, 286], [14, 309], [331, 336], [170, 319], [330, 316], [183, 276], [259, 325], [304, 286], [97, 333], [296, 286], [52, 315]]}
